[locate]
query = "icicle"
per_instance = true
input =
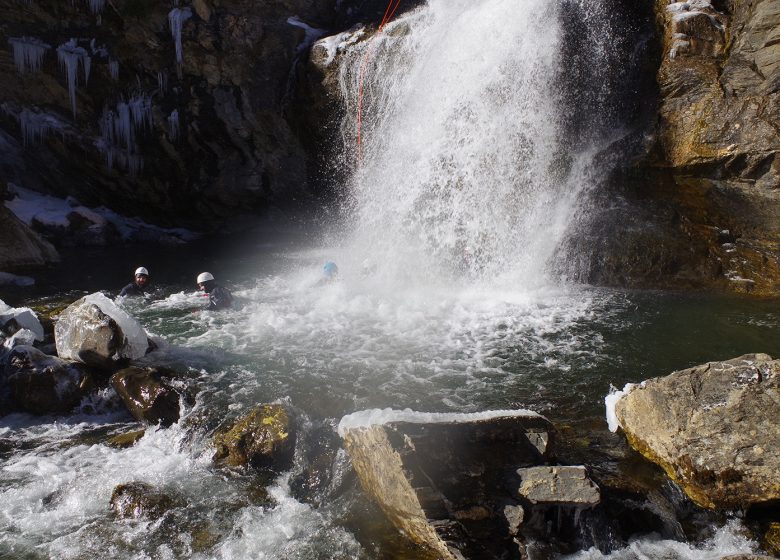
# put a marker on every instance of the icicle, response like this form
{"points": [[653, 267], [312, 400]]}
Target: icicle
{"points": [[113, 69], [176, 18], [162, 81], [141, 111], [69, 55], [96, 6], [35, 127], [28, 53], [119, 130], [123, 124], [173, 125]]}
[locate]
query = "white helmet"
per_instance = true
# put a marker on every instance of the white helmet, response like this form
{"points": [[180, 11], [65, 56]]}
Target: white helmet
{"points": [[141, 271], [204, 277]]}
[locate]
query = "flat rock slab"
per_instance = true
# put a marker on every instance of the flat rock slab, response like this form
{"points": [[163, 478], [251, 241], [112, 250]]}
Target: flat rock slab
{"points": [[558, 486], [713, 428]]}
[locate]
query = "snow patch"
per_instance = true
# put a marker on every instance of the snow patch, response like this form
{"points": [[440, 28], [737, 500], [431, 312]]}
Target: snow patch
{"points": [[376, 416], [8, 279], [311, 33]]}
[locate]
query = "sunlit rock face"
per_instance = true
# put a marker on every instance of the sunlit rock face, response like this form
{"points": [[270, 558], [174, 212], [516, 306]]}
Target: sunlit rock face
{"points": [[717, 135], [172, 114], [712, 429]]}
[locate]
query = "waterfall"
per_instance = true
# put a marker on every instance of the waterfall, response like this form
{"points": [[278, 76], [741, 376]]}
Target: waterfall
{"points": [[467, 166], [28, 53]]}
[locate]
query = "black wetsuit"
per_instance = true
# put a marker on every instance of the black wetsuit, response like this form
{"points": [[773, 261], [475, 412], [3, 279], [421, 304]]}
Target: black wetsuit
{"points": [[220, 298], [132, 289]]}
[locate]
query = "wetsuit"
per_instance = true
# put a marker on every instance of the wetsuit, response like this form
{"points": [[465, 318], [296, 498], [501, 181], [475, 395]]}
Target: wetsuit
{"points": [[220, 298], [132, 289]]}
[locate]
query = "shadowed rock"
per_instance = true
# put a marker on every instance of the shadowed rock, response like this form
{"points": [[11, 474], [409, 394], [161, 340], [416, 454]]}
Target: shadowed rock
{"points": [[443, 480], [712, 428], [44, 384], [264, 439]]}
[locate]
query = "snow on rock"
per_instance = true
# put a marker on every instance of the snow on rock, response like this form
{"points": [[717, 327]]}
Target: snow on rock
{"points": [[28, 53], [13, 319], [50, 212], [376, 416], [311, 33], [326, 49], [611, 400], [8, 279], [95, 331], [22, 337]]}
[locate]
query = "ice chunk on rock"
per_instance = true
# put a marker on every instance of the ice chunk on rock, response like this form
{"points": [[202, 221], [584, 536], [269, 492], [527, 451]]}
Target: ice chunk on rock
{"points": [[95, 331], [13, 319]]}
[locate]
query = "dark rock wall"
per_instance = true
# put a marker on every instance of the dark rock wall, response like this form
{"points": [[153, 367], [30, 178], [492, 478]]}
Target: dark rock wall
{"points": [[235, 150]]}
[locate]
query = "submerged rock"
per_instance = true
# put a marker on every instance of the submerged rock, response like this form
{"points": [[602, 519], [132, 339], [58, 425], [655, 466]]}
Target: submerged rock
{"points": [[44, 384], [93, 330], [149, 395], [712, 428], [264, 438], [128, 439], [136, 500], [443, 479]]}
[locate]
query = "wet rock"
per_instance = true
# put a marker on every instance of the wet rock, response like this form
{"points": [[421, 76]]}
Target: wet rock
{"points": [[21, 246], [746, 557], [149, 394], [136, 500], [321, 448], [93, 330], [128, 439], [263, 439], [569, 486], [712, 429], [442, 480], [771, 540], [44, 384]]}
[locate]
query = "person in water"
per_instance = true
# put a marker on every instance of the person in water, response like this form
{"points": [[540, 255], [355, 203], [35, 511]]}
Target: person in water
{"points": [[138, 286], [219, 297], [329, 273]]}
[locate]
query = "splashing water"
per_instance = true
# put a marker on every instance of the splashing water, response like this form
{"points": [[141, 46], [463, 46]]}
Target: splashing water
{"points": [[465, 167]]}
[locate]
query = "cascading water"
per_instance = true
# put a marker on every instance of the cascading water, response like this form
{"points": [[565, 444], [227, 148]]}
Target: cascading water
{"points": [[465, 162]]}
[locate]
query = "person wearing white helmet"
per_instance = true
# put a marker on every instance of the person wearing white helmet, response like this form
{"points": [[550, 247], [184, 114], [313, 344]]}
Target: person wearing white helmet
{"points": [[138, 286], [219, 297]]}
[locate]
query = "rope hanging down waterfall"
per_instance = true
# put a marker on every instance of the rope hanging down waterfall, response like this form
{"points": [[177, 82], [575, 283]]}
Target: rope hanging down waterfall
{"points": [[392, 6]]}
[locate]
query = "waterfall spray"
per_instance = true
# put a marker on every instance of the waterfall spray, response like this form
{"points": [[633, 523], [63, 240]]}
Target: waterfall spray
{"points": [[459, 127]]}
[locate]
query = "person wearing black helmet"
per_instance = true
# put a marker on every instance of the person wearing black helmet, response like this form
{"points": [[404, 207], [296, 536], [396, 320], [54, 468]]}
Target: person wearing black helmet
{"points": [[219, 297], [138, 286]]}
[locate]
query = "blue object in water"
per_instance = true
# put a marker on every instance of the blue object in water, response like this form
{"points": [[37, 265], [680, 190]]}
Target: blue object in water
{"points": [[330, 269]]}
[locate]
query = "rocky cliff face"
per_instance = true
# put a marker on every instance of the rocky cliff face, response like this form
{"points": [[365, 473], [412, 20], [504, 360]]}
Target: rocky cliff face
{"points": [[712, 162], [172, 113]]}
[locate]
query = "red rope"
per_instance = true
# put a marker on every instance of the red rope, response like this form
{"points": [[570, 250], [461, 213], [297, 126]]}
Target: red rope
{"points": [[392, 6]]}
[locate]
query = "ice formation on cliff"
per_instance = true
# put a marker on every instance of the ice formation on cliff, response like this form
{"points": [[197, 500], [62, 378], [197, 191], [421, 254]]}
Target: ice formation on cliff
{"points": [[69, 55], [28, 53]]}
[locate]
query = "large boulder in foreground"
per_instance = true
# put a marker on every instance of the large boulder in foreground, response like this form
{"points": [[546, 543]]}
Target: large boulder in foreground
{"points": [[713, 429], [93, 330], [263, 439], [448, 481], [44, 384], [149, 395]]}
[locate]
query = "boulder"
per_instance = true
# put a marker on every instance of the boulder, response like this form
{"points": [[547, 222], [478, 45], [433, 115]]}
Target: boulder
{"points": [[567, 486], [264, 439], [20, 245], [136, 500], [13, 319], [44, 384], [149, 395], [128, 439], [443, 479], [93, 330], [712, 429]]}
